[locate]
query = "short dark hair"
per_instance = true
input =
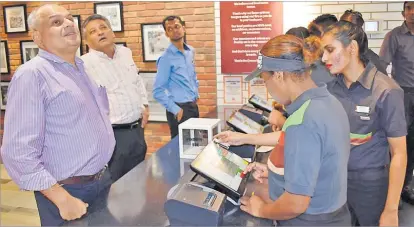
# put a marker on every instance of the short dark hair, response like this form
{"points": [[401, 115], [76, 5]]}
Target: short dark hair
{"points": [[172, 17], [300, 32], [92, 18], [320, 23], [354, 17], [405, 4]]}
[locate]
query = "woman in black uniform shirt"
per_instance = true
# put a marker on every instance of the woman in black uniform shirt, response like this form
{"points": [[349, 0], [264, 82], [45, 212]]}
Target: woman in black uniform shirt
{"points": [[375, 107]]}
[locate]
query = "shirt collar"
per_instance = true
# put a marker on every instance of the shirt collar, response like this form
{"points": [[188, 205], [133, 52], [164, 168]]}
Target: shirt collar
{"points": [[365, 79], [319, 91], [52, 57], [174, 49], [102, 54], [404, 29]]}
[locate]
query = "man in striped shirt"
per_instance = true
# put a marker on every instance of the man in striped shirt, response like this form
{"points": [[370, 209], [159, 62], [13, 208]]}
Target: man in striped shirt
{"points": [[57, 135], [113, 67]]}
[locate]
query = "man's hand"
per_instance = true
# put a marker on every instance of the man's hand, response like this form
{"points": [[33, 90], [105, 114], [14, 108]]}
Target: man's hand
{"points": [[180, 115], [72, 208], [389, 218], [145, 117], [252, 205]]}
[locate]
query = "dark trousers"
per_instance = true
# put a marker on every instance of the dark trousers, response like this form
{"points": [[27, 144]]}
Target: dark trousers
{"points": [[130, 150], [409, 116], [367, 194], [190, 110], [340, 217], [88, 193]]}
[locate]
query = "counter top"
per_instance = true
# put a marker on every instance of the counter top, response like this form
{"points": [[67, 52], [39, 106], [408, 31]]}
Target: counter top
{"points": [[138, 197]]}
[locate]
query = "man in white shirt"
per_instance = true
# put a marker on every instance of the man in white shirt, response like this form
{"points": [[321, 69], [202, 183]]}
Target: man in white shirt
{"points": [[113, 67]]}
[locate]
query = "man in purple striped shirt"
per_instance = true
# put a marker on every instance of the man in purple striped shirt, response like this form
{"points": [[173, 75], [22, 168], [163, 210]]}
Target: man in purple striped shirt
{"points": [[57, 135]]}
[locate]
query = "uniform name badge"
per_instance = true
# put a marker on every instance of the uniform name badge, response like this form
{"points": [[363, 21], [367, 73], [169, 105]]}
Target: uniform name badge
{"points": [[362, 109]]}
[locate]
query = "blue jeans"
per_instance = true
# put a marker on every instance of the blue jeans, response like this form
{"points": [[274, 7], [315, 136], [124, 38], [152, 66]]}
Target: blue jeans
{"points": [[88, 193]]}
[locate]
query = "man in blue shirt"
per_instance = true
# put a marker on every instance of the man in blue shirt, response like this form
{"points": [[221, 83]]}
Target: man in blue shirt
{"points": [[176, 84]]}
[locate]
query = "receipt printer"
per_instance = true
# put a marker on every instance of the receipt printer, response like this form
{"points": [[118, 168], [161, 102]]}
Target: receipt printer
{"points": [[192, 204]]}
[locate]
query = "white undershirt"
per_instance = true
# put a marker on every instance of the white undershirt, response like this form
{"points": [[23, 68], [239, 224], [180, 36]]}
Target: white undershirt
{"points": [[119, 75]]}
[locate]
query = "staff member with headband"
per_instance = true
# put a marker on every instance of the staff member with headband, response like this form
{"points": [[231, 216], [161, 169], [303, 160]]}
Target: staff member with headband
{"points": [[313, 146]]}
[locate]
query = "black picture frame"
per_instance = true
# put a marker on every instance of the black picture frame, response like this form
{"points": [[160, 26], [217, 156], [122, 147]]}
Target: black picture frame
{"points": [[6, 57], [23, 54], [16, 20], [77, 21], [4, 86], [116, 24], [150, 52], [121, 43]]}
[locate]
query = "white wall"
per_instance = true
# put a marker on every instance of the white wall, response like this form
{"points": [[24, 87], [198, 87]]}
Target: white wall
{"points": [[301, 13]]}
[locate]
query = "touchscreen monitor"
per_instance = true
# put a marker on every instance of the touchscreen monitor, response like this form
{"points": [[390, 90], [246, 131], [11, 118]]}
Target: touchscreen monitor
{"points": [[222, 167], [242, 123], [260, 103]]}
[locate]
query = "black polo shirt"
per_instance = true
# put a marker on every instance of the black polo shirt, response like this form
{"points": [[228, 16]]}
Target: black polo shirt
{"points": [[375, 108]]}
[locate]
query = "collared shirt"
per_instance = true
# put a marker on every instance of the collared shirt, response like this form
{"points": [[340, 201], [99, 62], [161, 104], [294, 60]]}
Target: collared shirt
{"points": [[119, 75], [398, 48], [176, 80], [375, 108], [315, 143], [56, 124]]}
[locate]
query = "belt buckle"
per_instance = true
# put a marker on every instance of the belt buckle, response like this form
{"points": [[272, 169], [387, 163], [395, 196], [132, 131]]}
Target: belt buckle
{"points": [[134, 124]]}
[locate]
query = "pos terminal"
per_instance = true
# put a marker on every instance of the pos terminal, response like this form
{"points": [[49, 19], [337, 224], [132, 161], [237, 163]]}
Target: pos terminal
{"points": [[216, 176]]}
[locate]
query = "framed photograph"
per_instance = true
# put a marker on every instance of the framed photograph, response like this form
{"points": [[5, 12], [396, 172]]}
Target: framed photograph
{"points": [[77, 21], [157, 111], [4, 58], [28, 50], [15, 19], [113, 12], [121, 44], [154, 41], [4, 86]]}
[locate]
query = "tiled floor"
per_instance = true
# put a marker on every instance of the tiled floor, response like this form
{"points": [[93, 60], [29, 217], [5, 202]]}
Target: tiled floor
{"points": [[18, 208]]}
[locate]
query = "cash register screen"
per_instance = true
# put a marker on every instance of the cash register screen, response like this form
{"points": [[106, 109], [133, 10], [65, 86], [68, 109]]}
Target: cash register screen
{"points": [[261, 102], [220, 165], [245, 124]]}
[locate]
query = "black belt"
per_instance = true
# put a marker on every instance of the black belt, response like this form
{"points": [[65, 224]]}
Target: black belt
{"points": [[132, 125], [83, 179]]}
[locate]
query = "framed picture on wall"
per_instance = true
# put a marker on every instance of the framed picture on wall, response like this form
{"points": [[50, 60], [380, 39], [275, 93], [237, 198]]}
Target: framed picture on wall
{"points": [[4, 58], [121, 44], [77, 21], [154, 41], [157, 111], [4, 86], [15, 18], [28, 50], [113, 11]]}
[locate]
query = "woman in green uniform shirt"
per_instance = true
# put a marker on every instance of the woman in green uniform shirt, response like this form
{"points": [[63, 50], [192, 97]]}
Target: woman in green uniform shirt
{"points": [[307, 171], [375, 108]]}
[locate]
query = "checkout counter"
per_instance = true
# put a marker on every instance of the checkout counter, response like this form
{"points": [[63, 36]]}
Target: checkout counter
{"points": [[139, 197]]}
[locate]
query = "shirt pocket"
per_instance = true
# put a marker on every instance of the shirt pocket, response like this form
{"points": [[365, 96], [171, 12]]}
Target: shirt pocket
{"points": [[180, 70], [362, 127], [131, 74]]}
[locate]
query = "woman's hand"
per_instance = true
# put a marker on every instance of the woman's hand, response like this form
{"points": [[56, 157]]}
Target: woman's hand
{"points": [[232, 138], [260, 171], [277, 120]]}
